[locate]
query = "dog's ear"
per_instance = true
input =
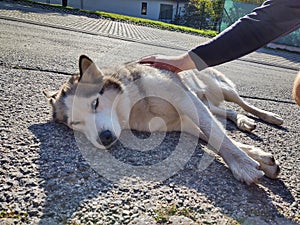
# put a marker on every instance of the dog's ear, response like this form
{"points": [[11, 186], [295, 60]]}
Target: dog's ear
{"points": [[51, 96], [89, 72], [111, 83]]}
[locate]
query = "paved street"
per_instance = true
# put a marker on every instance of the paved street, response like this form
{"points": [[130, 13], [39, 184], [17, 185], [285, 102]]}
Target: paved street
{"points": [[79, 22], [45, 174]]}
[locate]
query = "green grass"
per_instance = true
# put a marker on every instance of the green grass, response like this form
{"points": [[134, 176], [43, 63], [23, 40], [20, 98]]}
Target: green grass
{"points": [[141, 21], [12, 215], [163, 214]]}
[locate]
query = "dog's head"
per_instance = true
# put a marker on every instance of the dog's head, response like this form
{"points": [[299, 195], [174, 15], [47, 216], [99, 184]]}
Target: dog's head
{"points": [[87, 103]]}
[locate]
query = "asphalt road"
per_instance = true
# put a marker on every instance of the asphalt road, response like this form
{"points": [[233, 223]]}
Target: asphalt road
{"points": [[45, 178]]}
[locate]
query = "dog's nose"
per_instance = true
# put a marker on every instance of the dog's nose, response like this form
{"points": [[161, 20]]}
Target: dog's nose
{"points": [[106, 137]]}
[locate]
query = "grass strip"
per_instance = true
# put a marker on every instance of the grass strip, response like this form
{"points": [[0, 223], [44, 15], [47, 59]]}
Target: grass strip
{"points": [[140, 21]]}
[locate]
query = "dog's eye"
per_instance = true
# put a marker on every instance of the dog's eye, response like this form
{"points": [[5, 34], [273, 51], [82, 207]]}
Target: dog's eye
{"points": [[95, 104], [75, 123]]}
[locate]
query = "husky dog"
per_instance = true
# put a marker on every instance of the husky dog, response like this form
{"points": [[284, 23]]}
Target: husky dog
{"points": [[101, 103]]}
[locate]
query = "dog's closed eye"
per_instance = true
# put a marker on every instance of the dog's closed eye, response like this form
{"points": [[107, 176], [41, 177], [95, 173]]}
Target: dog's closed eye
{"points": [[95, 104], [74, 123]]}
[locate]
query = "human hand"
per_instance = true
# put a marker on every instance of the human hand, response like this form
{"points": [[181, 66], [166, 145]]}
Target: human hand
{"points": [[174, 64], [161, 62]]}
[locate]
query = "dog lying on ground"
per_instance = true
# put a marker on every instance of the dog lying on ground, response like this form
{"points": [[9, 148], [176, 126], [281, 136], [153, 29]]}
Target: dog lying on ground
{"points": [[101, 103]]}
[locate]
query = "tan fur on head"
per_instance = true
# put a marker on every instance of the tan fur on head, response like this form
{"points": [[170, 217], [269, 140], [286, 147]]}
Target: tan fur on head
{"points": [[296, 89], [84, 83]]}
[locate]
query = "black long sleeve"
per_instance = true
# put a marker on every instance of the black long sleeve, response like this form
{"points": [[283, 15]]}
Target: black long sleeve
{"points": [[266, 23]]}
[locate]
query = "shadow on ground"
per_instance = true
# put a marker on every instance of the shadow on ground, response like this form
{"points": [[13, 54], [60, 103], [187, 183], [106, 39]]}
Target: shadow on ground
{"points": [[69, 179]]}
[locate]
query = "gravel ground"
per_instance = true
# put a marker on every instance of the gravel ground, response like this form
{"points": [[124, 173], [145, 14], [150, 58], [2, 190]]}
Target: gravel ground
{"points": [[47, 178]]}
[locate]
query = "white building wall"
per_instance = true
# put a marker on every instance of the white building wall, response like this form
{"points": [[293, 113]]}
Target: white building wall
{"points": [[50, 1], [124, 7], [44, 1], [113, 6], [56, 1], [75, 3]]}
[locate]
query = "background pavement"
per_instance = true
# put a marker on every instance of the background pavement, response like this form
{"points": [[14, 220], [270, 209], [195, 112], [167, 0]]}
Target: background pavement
{"points": [[80, 22], [44, 175]]}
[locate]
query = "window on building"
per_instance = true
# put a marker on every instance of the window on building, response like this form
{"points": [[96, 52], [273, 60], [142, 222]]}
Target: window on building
{"points": [[166, 12], [144, 8]]}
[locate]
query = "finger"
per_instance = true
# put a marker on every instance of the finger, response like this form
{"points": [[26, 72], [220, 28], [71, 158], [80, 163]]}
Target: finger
{"points": [[147, 59]]}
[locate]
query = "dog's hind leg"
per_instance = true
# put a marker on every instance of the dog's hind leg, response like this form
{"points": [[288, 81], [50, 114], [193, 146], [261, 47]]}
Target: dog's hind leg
{"points": [[215, 87], [242, 122], [231, 95]]}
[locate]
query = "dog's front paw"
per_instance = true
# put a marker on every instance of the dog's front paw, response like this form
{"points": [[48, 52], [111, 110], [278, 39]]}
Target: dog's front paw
{"points": [[245, 123], [266, 160], [246, 169]]}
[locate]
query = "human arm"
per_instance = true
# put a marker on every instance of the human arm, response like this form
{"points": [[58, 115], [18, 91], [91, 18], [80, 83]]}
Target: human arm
{"points": [[266, 23]]}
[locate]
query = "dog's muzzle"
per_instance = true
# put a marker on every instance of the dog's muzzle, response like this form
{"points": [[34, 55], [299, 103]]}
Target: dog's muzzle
{"points": [[106, 137]]}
